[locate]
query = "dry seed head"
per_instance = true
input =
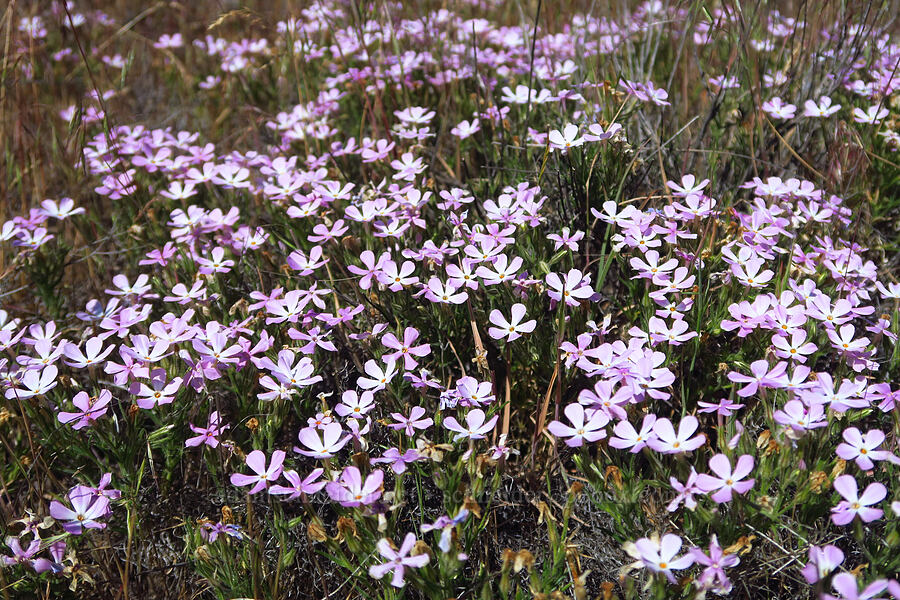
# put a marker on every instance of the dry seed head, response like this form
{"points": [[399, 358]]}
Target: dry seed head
{"points": [[346, 528], [523, 559], [817, 480], [316, 532], [839, 468]]}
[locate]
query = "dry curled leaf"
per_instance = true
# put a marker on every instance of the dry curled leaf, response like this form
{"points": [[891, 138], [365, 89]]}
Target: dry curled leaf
{"points": [[742, 546]]}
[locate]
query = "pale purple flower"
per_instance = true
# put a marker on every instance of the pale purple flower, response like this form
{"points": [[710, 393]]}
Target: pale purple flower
{"points": [[761, 376], [660, 555], [847, 586], [405, 349], [355, 405], [20, 556], [799, 417], [379, 375], [93, 353], [90, 408], [566, 239], [871, 116], [863, 448], [351, 490], [308, 485], [728, 480], [822, 561], [476, 427], [724, 407], [35, 383], [586, 425], [412, 422], [322, 447], [514, 327], [685, 491], [87, 509], [264, 475], [397, 560], [779, 109], [446, 525], [854, 504], [397, 459], [823, 109], [208, 435], [713, 576], [566, 139], [668, 441], [571, 287], [627, 437]]}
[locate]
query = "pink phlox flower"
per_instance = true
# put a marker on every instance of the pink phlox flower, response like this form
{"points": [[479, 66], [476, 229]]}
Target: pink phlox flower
{"points": [[854, 504], [325, 446], [799, 417], [685, 492], [847, 585], [314, 338], [396, 278], [441, 292], [824, 108], [446, 525], [158, 392], [182, 295], [306, 265], [472, 392], [379, 375], [569, 240], [264, 474], [355, 405], [864, 448], [822, 561], [514, 327], [397, 459], [793, 347], [659, 555], [570, 288], [727, 480], [405, 349], [675, 334], [397, 561], [844, 341], [628, 438], [371, 267], [667, 441], [34, 383], [208, 435], [350, 490], [501, 270], [476, 428], [308, 485], [762, 376], [689, 186], [779, 109], [90, 408], [138, 289], [20, 556], [323, 233], [412, 422], [145, 350], [724, 407], [87, 509], [585, 425], [713, 576], [565, 139]]}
